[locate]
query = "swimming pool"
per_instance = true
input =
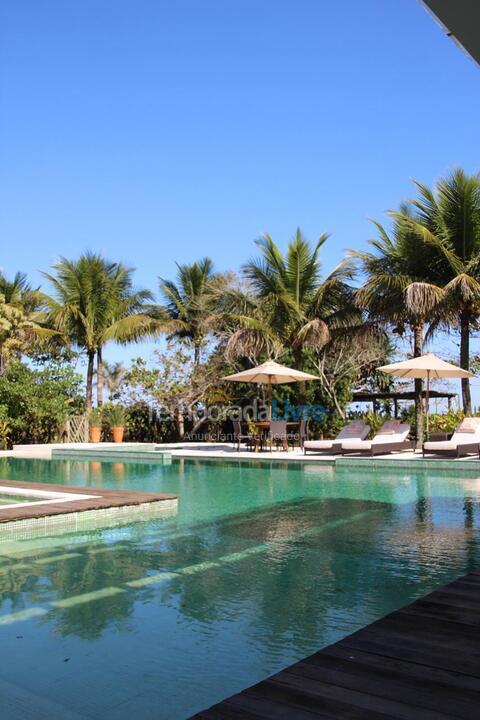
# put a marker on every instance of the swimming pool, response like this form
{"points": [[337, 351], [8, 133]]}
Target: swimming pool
{"points": [[260, 565], [11, 498]]}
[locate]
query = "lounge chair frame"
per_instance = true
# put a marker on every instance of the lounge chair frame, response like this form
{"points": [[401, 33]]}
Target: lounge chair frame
{"points": [[460, 451], [383, 448]]}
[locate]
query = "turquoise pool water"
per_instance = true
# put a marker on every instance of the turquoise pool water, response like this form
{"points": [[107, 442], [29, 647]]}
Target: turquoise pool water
{"points": [[261, 565]]}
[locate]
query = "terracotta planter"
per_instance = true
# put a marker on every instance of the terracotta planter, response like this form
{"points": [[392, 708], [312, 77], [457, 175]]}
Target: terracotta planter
{"points": [[95, 434], [117, 433]]}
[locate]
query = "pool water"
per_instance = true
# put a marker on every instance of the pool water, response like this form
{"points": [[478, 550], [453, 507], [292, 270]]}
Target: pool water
{"points": [[7, 499], [262, 564]]}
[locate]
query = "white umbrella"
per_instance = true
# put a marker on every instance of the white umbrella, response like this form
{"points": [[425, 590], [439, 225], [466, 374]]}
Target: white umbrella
{"points": [[271, 373], [426, 366]]}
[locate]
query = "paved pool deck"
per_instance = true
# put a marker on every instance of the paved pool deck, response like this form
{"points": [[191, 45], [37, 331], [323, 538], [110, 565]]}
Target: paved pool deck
{"points": [[150, 452]]}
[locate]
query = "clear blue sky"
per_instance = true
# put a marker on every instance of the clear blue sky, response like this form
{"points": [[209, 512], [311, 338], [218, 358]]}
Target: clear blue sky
{"points": [[159, 131]]}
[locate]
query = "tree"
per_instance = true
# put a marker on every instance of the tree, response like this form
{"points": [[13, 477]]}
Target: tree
{"points": [[20, 319], [94, 302], [176, 388], [19, 293], [113, 378], [447, 219], [399, 287], [36, 401], [288, 307], [189, 304], [343, 363]]}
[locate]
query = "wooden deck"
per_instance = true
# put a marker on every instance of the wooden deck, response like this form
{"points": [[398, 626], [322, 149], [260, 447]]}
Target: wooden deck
{"points": [[102, 499], [421, 662]]}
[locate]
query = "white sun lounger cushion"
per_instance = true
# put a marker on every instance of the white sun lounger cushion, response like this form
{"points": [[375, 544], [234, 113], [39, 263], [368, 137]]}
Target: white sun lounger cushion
{"points": [[398, 437], [358, 429]]}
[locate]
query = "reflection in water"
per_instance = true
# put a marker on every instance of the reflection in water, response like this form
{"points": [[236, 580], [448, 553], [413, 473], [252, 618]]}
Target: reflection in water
{"points": [[118, 470], [260, 566]]}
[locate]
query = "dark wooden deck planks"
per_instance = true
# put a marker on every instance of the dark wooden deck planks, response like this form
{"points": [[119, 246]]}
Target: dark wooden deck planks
{"points": [[421, 662], [104, 498]]}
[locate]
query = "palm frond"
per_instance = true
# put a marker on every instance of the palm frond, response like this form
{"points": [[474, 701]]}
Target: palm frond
{"points": [[314, 334], [422, 298]]}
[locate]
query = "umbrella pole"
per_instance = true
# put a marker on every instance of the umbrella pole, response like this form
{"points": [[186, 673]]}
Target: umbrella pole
{"points": [[427, 400], [270, 398]]}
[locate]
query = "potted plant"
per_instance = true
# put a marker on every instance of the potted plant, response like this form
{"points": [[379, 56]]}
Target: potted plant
{"points": [[115, 417], [95, 423]]}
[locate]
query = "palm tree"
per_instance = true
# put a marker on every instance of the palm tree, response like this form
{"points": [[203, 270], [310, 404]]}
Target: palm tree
{"points": [[289, 305], [20, 318], [94, 302], [448, 221], [399, 287], [189, 304], [18, 292], [113, 377]]}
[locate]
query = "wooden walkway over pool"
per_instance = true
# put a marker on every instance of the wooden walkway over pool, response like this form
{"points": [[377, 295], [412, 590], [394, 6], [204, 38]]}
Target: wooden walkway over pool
{"points": [[95, 499], [421, 662]]}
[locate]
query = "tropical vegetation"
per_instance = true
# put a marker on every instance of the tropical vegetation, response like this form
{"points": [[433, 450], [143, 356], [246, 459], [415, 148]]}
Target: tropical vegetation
{"points": [[94, 302], [35, 401], [417, 281]]}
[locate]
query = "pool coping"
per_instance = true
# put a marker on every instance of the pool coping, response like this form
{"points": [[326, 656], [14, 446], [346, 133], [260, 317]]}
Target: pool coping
{"points": [[166, 452], [113, 454], [98, 499], [409, 463], [396, 461]]}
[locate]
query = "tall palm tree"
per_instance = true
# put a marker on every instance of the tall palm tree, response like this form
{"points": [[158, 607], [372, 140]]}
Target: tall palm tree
{"points": [[93, 303], [447, 219], [399, 286], [189, 302], [289, 305]]}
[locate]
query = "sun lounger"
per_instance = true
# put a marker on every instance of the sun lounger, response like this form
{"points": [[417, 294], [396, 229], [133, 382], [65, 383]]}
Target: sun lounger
{"points": [[464, 441], [392, 437], [356, 430]]}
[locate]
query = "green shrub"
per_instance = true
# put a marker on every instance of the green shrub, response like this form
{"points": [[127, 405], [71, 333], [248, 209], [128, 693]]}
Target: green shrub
{"points": [[441, 422], [4, 433], [144, 425], [95, 417], [114, 415], [374, 420], [35, 402], [447, 422]]}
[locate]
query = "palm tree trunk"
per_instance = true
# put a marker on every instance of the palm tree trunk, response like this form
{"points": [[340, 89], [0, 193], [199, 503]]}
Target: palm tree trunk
{"points": [[301, 392], [465, 360], [196, 355], [99, 377], [179, 422], [417, 351], [91, 361]]}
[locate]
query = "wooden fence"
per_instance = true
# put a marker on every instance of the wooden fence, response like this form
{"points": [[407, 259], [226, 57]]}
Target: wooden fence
{"points": [[75, 429]]}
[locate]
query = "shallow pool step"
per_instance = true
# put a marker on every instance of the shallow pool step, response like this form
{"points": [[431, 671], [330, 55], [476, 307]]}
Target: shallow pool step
{"points": [[115, 454]]}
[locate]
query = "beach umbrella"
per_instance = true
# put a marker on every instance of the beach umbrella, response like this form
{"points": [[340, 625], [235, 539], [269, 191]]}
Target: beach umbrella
{"points": [[427, 367], [271, 373]]}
